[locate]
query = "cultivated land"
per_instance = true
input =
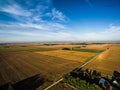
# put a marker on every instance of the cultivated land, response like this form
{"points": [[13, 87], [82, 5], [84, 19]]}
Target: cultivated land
{"points": [[108, 61], [16, 66], [18, 62], [69, 55]]}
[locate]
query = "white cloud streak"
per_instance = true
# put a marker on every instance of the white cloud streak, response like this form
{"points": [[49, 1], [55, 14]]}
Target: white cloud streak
{"points": [[33, 22], [15, 10], [57, 15], [35, 14], [113, 28], [111, 33]]}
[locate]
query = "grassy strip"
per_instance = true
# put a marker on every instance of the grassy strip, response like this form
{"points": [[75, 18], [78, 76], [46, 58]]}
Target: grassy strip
{"points": [[80, 84], [87, 50]]}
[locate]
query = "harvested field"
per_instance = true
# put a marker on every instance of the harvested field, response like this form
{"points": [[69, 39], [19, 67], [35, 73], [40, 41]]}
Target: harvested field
{"points": [[18, 62], [108, 61], [98, 46], [15, 48], [69, 55], [15, 66]]}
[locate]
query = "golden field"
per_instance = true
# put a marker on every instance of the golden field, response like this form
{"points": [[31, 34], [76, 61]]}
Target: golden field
{"points": [[16, 66], [108, 61], [69, 55]]}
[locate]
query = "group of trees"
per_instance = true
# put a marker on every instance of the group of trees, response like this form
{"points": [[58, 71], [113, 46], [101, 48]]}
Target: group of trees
{"points": [[80, 84], [66, 49], [88, 75], [89, 80]]}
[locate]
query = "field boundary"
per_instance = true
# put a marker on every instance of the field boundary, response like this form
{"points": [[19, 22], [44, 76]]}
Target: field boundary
{"points": [[84, 64], [53, 84], [88, 61]]}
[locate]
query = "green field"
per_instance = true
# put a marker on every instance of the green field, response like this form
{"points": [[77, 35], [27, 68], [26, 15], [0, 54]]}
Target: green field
{"points": [[87, 50]]}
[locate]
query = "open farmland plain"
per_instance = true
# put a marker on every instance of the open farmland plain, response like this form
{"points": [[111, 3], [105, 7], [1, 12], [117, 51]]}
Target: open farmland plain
{"points": [[18, 62]]}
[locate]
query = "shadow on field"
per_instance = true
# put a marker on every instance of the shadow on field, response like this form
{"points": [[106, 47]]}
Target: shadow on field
{"points": [[31, 83]]}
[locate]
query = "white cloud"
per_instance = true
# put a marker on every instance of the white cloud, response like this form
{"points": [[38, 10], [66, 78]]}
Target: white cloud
{"points": [[57, 26], [32, 26], [57, 32], [44, 26], [33, 23], [35, 35], [37, 18], [58, 15], [15, 10], [111, 33], [113, 28], [33, 19], [36, 15]]}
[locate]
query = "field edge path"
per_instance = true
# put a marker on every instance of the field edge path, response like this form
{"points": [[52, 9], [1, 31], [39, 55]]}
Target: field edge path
{"points": [[84, 64]]}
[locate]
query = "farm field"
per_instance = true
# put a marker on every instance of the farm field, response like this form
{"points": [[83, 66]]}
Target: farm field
{"points": [[20, 62], [108, 61], [105, 63], [69, 55]]}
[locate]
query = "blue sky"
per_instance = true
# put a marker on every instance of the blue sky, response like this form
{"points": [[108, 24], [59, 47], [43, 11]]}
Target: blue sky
{"points": [[59, 20]]}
